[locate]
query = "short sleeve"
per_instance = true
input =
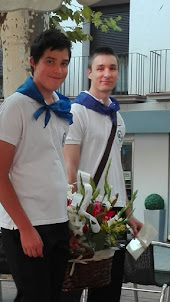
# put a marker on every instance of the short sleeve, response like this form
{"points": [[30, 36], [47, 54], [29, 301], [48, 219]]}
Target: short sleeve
{"points": [[10, 121], [78, 128]]}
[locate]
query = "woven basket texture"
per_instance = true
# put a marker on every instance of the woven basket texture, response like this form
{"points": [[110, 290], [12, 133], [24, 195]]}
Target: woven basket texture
{"points": [[92, 274]]}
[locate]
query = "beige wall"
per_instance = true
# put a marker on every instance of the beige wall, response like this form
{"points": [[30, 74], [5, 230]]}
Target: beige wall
{"points": [[150, 164]]}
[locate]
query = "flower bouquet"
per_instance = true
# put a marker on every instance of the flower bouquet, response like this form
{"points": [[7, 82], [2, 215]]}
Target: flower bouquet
{"points": [[95, 230]]}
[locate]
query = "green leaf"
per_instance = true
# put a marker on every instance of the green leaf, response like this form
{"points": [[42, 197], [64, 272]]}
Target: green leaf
{"points": [[67, 1], [107, 169], [87, 12], [112, 21], [98, 15], [67, 12], [127, 218], [71, 36], [128, 205], [92, 183], [76, 17], [107, 22], [133, 197], [104, 28], [96, 22], [79, 32], [76, 35], [118, 18], [82, 189], [56, 18], [95, 194], [109, 193], [118, 28], [99, 240], [90, 37]]}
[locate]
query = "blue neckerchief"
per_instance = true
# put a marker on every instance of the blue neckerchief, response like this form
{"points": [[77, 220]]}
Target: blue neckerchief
{"points": [[90, 102], [61, 108]]}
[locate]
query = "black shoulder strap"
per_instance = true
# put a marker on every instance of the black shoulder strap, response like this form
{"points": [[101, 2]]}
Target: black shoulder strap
{"points": [[106, 153]]}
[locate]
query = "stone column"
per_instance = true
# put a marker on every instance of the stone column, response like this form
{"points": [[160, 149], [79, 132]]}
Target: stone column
{"points": [[17, 30]]}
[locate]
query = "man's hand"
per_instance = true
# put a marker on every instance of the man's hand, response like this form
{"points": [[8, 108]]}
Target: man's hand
{"points": [[135, 224], [31, 242]]}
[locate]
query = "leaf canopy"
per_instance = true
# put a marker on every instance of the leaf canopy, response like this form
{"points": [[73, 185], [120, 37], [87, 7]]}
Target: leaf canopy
{"points": [[80, 16]]}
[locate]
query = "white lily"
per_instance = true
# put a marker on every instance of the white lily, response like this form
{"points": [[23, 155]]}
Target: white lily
{"points": [[69, 191], [107, 204], [76, 222]]}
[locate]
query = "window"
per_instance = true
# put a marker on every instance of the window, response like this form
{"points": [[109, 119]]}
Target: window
{"points": [[126, 156]]}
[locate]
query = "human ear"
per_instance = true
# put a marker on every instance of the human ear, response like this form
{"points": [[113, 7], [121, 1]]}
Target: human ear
{"points": [[89, 73], [32, 62]]}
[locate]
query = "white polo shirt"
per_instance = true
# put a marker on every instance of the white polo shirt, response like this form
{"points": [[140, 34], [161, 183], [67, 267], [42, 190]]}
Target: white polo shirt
{"points": [[38, 171], [91, 130]]}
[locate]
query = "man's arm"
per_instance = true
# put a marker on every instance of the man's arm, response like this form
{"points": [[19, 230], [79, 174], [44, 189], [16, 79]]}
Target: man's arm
{"points": [[30, 239], [72, 158], [135, 224]]}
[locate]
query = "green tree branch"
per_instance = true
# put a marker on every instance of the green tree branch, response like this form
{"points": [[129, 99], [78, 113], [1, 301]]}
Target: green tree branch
{"points": [[81, 16]]}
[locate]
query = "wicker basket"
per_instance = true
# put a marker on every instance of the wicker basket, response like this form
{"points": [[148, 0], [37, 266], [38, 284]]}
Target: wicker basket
{"points": [[92, 274]]}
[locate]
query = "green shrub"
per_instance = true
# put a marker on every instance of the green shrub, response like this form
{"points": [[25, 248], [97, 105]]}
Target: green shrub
{"points": [[154, 202]]}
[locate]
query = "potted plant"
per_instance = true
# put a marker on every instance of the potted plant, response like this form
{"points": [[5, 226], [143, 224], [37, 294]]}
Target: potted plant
{"points": [[154, 213]]}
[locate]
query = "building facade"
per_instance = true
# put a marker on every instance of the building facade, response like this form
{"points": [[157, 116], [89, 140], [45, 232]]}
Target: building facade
{"points": [[143, 91]]}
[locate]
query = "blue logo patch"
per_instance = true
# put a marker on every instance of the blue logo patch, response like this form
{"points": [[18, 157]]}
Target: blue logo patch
{"points": [[64, 139], [120, 135]]}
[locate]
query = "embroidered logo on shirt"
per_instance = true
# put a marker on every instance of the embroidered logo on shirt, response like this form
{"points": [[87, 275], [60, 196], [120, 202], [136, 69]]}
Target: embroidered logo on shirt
{"points": [[64, 139], [120, 135]]}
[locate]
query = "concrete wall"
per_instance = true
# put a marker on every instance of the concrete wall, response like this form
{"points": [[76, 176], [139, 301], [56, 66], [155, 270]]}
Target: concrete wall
{"points": [[150, 162], [149, 29]]}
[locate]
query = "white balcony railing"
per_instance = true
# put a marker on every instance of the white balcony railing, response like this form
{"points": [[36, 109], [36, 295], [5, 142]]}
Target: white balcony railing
{"points": [[131, 75], [130, 81], [159, 71]]}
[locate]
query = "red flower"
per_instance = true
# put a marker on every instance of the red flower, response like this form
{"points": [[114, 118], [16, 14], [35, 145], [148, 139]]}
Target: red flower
{"points": [[85, 229], [97, 209], [69, 201], [109, 214]]}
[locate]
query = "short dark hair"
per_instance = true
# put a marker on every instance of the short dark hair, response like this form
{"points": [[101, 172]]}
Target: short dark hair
{"points": [[50, 38], [100, 51]]}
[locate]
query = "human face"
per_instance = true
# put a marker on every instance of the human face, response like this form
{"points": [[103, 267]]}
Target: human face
{"points": [[103, 74], [50, 71]]}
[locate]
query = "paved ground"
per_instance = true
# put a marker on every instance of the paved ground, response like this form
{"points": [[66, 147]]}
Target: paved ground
{"points": [[128, 296], [162, 261], [9, 291]]}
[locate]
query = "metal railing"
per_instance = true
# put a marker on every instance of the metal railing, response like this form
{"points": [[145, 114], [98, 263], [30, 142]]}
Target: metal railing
{"points": [[136, 72], [76, 79], [159, 80], [1, 88], [130, 81]]}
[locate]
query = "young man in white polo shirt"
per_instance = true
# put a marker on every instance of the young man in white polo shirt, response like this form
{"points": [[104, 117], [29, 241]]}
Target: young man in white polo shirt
{"points": [[85, 144], [34, 122]]}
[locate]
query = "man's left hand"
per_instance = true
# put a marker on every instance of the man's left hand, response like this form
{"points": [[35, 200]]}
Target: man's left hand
{"points": [[135, 224]]}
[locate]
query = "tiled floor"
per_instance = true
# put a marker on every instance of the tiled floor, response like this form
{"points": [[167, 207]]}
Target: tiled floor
{"points": [[128, 295], [9, 291], [162, 261]]}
